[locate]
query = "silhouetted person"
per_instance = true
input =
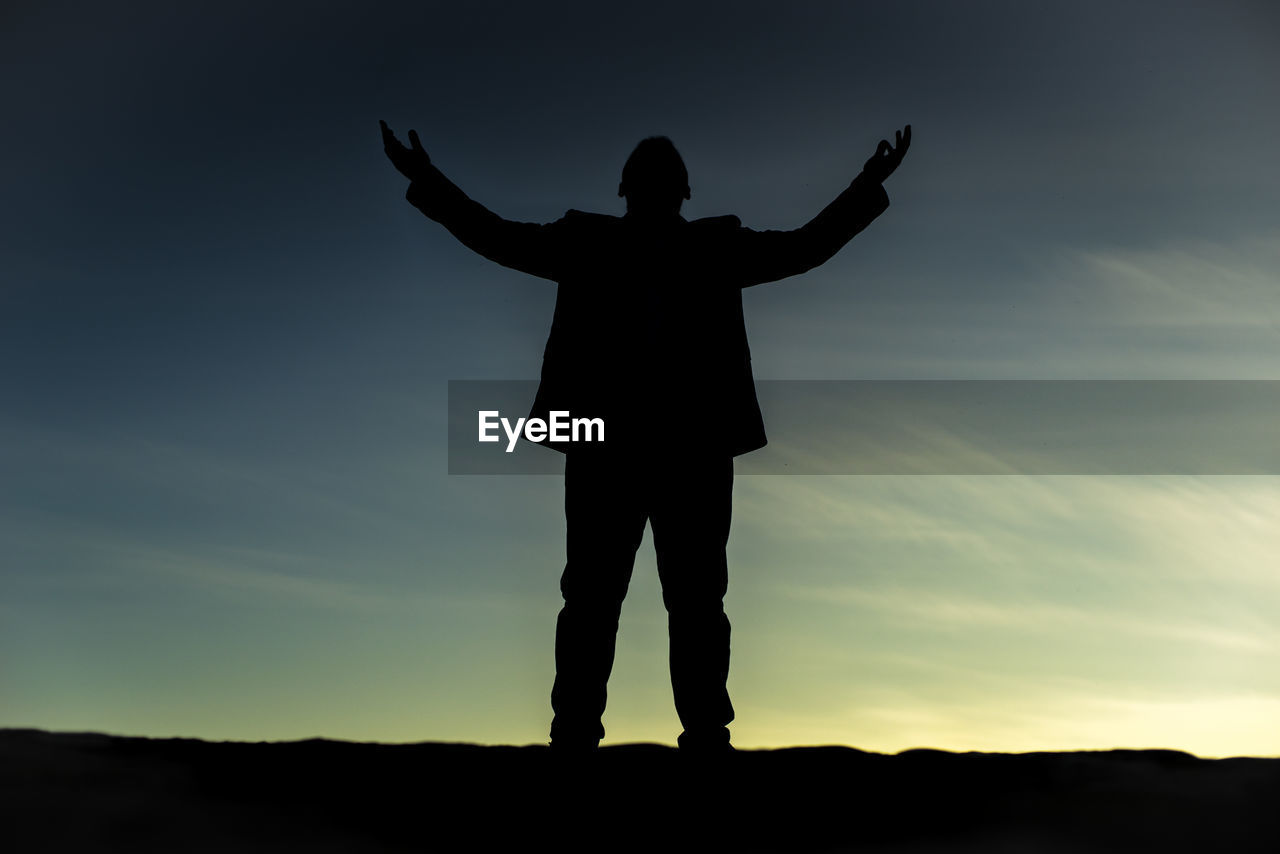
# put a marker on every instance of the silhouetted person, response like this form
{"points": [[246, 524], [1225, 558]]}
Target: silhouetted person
{"points": [[648, 333]]}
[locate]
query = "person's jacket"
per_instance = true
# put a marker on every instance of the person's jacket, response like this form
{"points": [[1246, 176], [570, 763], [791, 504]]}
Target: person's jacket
{"points": [[648, 331]]}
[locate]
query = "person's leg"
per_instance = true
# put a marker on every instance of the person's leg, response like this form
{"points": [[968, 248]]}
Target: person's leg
{"points": [[690, 518], [605, 518]]}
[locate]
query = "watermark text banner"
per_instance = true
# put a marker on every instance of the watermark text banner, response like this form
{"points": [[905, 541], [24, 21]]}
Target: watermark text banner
{"points": [[949, 427]]}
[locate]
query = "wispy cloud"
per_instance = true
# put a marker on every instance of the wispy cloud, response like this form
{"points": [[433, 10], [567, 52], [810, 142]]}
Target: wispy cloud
{"points": [[1136, 530], [1203, 287], [279, 579], [950, 612]]}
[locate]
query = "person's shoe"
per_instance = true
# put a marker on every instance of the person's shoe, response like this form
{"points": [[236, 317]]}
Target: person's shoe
{"points": [[713, 742]]}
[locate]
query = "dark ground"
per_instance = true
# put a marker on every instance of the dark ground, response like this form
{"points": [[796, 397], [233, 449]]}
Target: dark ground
{"points": [[90, 792]]}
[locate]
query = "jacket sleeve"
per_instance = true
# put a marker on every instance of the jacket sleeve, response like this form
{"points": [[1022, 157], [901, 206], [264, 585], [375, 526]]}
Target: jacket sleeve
{"points": [[525, 246], [756, 257]]}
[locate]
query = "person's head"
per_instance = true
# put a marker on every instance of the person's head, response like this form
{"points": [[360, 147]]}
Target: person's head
{"points": [[654, 179]]}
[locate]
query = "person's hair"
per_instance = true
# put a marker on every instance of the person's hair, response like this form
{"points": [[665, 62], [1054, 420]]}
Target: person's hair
{"points": [[655, 164]]}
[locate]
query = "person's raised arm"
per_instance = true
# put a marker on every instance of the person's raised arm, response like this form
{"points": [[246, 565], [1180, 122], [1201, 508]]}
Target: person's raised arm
{"points": [[766, 256], [525, 246]]}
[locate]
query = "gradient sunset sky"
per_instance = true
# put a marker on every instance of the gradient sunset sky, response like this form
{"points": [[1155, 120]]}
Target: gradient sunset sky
{"points": [[225, 342]]}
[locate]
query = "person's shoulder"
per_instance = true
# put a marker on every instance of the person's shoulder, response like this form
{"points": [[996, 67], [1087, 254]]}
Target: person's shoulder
{"points": [[576, 217], [717, 223], [583, 225]]}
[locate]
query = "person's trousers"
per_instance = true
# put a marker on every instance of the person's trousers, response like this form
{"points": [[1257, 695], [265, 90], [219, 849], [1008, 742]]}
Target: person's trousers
{"points": [[688, 506]]}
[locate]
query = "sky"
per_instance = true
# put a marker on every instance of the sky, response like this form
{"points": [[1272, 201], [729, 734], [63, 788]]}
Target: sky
{"points": [[226, 339]]}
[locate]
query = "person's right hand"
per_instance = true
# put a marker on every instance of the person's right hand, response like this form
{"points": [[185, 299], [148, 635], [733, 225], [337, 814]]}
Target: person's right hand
{"points": [[411, 162]]}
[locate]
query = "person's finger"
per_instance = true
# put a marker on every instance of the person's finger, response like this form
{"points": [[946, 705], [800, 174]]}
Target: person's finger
{"points": [[415, 142], [390, 144], [883, 148], [897, 139], [906, 137]]}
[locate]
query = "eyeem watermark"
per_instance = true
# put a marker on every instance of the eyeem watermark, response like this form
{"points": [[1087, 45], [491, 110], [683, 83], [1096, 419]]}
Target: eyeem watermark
{"points": [[561, 428], [908, 427]]}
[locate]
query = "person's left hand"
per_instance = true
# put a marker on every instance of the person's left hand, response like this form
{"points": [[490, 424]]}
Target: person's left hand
{"points": [[887, 157], [411, 162]]}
